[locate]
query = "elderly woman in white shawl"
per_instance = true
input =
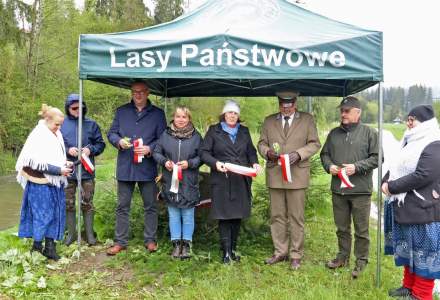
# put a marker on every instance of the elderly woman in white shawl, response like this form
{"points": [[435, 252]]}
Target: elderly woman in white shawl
{"points": [[412, 209], [42, 169]]}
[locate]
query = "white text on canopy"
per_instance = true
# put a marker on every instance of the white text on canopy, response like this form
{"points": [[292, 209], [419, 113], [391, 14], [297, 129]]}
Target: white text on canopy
{"points": [[191, 54]]}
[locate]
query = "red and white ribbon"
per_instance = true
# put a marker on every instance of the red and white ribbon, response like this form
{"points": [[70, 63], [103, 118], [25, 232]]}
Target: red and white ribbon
{"points": [[285, 167], [345, 180], [176, 177], [85, 160], [204, 203], [246, 171], [136, 144]]}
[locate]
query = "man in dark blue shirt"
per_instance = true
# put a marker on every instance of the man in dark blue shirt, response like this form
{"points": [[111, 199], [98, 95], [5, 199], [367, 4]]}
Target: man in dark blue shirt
{"points": [[134, 132]]}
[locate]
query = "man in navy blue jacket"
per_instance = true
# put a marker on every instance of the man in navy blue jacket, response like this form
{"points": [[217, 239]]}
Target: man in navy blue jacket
{"points": [[133, 121], [93, 145]]}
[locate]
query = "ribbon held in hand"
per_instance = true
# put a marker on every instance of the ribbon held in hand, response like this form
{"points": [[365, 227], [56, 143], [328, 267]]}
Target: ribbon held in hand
{"points": [[237, 169], [138, 143], [85, 160], [345, 180], [176, 177], [285, 167]]}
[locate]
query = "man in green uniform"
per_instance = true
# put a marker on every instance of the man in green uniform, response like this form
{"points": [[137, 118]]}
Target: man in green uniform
{"points": [[350, 154]]}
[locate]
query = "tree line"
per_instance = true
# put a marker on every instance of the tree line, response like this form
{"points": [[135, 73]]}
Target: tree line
{"points": [[398, 101], [38, 64], [38, 56]]}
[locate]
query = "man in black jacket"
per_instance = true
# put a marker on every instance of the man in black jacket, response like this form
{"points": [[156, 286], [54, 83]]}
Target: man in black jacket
{"points": [[350, 154]]}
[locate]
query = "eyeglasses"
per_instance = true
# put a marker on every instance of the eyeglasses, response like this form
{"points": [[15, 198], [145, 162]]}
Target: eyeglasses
{"points": [[345, 110], [74, 108], [138, 92]]}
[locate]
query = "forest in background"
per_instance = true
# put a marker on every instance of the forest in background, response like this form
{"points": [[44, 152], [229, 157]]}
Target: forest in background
{"points": [[38, 64]]}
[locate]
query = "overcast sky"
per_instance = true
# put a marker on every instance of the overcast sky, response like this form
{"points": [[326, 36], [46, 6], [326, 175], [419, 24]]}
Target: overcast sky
{"points": [[411, 33]]}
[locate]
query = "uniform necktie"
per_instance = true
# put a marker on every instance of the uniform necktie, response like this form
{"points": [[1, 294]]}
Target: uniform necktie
{"points": [[286, 125]]}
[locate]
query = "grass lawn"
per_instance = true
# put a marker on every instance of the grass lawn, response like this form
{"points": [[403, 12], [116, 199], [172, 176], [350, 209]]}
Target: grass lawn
{"points": [[396, 129], [136, 274]]}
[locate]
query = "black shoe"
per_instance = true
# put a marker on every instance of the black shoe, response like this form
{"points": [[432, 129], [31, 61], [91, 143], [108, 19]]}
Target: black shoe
{"points": [[176, 249], [37, 247], [399, 292], [186, 250], [226, 259], [235, 257], [235, 230], [50, 249], [226, 250]]}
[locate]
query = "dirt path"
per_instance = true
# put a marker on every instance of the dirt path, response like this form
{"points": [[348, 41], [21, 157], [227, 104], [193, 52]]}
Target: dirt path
{"points": [[93, 270]]}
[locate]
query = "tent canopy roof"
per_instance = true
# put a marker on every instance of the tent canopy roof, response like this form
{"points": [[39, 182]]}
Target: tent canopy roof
{"points": [[238, 48]]}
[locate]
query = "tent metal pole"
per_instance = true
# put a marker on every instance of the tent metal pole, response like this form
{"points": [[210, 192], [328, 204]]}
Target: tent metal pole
{"points": [[79, 166], [166, 106], [379, 191], [309, 104], [165, 96]]}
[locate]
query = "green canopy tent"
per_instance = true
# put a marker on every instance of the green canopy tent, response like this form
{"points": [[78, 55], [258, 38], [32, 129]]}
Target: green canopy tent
{"points": [[239, 48]]}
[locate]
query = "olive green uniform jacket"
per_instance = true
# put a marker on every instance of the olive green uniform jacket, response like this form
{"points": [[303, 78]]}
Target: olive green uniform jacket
{"points": [[358, 145], [302, 137]]}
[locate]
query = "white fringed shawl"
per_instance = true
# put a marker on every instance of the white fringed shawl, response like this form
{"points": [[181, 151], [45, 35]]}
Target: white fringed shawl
{"points": [[413, 143], [41, 148]]}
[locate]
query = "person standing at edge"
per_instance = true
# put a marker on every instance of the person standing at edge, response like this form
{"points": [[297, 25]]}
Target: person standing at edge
{"points": [[42, 170], [229, 142], [134, 132], [412, 206], [295, 134], [350, 154], [93, 145]]}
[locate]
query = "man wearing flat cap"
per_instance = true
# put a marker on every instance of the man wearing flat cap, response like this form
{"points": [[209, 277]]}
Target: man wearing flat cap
{"points": [[288, 139], [350, 154]]}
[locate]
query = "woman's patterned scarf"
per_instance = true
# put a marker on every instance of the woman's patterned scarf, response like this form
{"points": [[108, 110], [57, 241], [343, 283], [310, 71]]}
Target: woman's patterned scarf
{"points": [[181, 133]]}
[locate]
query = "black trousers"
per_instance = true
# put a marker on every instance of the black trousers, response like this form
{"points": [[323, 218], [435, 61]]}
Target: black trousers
{"points": [[229, 230]]}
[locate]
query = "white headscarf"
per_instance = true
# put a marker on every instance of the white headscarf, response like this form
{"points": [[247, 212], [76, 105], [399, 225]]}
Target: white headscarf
{"points": [[413, 143], [42, 147]]}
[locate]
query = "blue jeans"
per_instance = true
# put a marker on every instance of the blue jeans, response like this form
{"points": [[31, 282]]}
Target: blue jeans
{"points": [[181, 223]]}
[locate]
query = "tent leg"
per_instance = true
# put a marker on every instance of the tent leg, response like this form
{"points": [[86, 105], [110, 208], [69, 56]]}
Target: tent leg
{"points": [[79, 167], [165, 106], [309, 104], [379, 191], [165, 96]]}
